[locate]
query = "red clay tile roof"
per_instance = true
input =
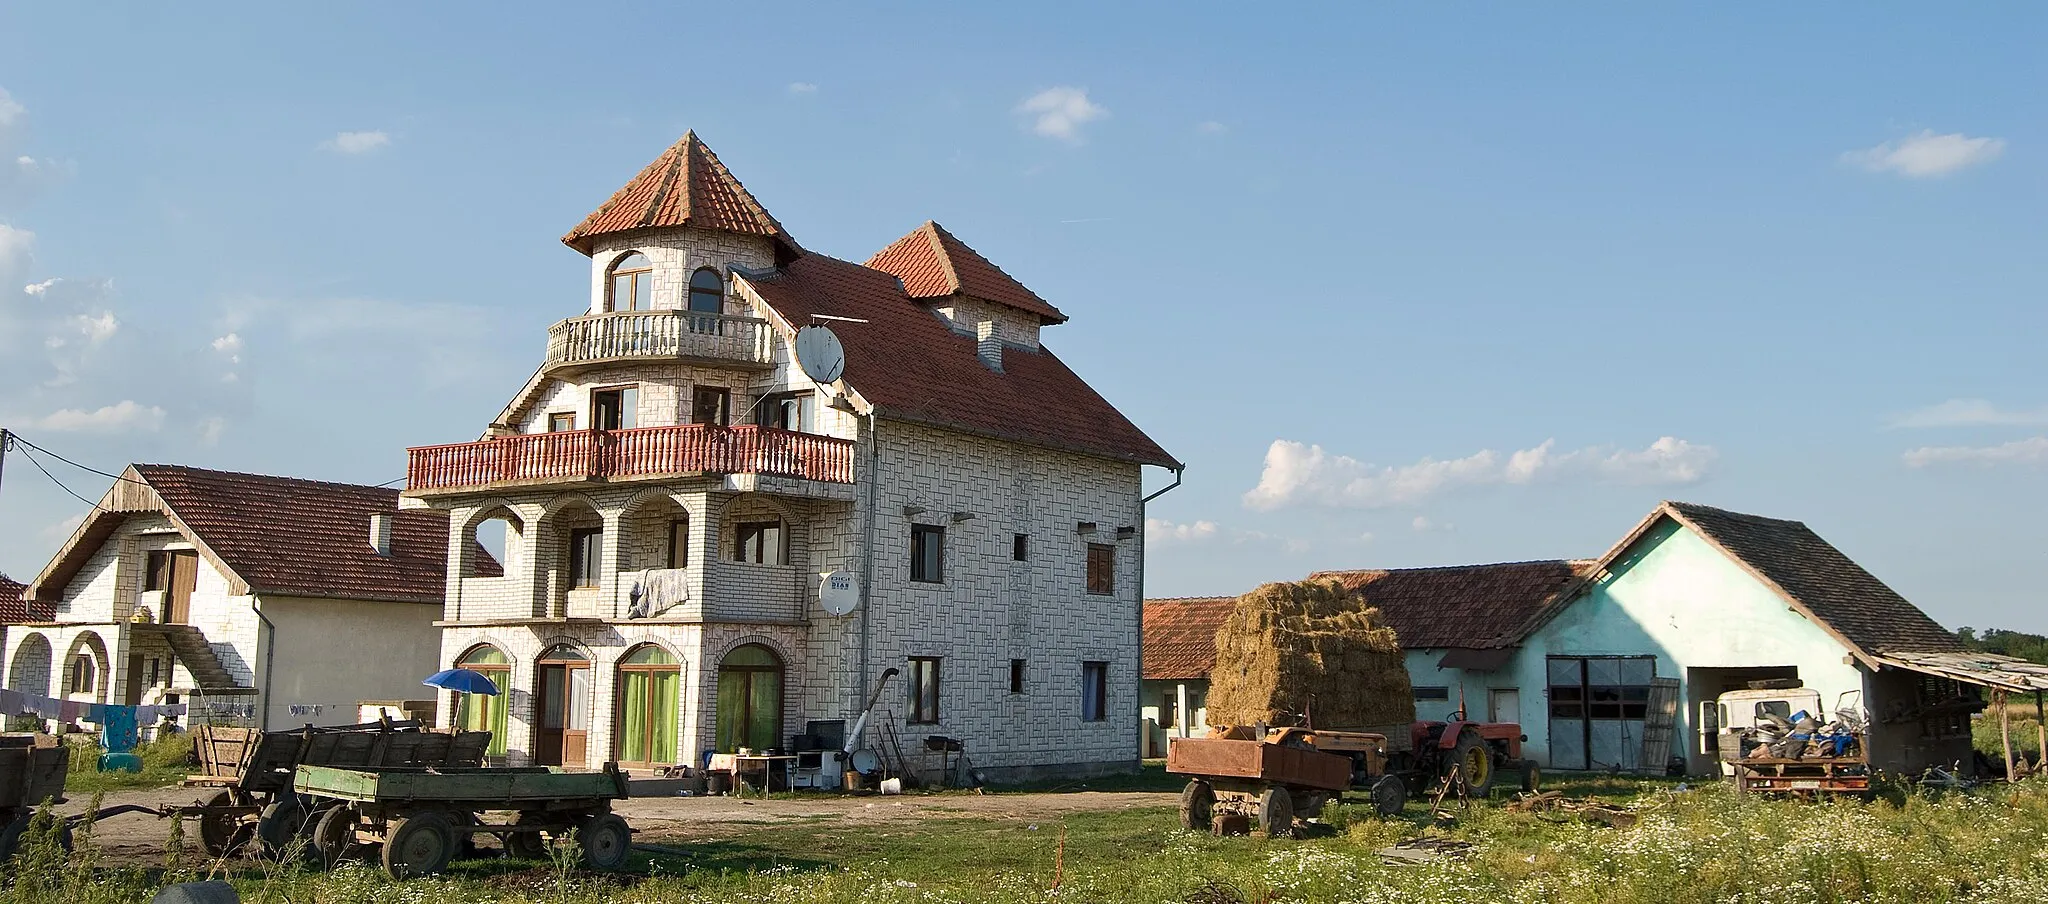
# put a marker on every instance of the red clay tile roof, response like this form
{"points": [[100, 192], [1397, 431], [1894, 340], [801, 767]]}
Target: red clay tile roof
{"points": [[913, 367], [934, 264], [1463, 606], [685, 186], [284, 535], [14, 610], [1180, 636], [1816, 576]]}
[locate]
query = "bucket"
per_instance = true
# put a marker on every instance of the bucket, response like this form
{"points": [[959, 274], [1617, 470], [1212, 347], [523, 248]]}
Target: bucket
{"points": [[892, 786]]}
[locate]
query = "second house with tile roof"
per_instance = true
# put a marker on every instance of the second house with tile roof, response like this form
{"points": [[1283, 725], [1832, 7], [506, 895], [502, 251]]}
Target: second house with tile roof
{"points": [[672, 489]]}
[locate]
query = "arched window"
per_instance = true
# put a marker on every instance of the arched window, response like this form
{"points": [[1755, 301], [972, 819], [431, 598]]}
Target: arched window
{"points": [[83, 673], [707, 291], [632, 284], [650, 693], [749, 698], [564, 682], [482, 712]]}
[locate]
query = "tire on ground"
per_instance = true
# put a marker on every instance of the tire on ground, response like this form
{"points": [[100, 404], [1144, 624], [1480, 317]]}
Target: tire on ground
{"points": [[606, 841], [334, 835], [419, 845], [220, 832], [1276, 813], [527, 845], [281, 823], [1532, 776], [1197, 806], [1389, 795]]}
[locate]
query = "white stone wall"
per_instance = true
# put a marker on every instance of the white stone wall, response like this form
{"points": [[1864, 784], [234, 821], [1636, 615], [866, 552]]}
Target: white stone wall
{"points": [[1012, 326], [675, 254], [397, 646], [109, 586]]}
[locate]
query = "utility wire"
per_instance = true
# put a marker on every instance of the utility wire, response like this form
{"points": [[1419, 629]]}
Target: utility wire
{"points": [[18, 438], [53, 478]]}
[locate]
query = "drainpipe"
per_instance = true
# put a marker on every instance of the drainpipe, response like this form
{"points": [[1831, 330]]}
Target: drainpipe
{"points": [[269, 658], [1138, 680], [867, 566]]}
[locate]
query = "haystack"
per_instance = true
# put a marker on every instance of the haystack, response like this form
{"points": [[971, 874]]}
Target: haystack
{"points": [[1294, 652]]}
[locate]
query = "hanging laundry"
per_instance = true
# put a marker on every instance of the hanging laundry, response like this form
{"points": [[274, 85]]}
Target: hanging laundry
{"points": [[96, 713], [69, 710], [48, 707], [11, 703]]}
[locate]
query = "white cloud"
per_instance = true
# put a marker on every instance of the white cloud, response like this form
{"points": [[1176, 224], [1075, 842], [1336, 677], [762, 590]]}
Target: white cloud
{"points": [[41, 288], [231, 346], [2030, 451], [356, 142], [9, 109], [803, 88], [1060, 112], [97, 329], [126, 416], [1298, 474], [1168, 533], [1971, 413], [1211, 127], [1424, 524], [211, 429], [1924, 154], [62, 530]]}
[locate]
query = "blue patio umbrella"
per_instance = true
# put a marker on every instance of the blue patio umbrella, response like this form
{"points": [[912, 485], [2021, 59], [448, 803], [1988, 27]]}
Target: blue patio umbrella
{"points": [[462, 681]]}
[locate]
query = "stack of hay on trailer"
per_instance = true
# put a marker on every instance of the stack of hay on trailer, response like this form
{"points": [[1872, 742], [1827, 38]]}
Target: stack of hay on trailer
{"points": [[1310, 653]]}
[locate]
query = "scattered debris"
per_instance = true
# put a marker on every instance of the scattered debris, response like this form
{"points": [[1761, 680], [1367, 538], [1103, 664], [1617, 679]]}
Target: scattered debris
{"points": [[1424, 850], [1587, 809]]}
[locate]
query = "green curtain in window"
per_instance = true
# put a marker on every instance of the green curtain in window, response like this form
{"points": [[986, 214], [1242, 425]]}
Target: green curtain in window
{"points": [[732, 708], [765, 709], [633, 734], [665, 696], [488, 713]]}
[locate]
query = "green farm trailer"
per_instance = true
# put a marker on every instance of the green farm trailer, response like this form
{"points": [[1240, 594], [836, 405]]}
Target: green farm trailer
{"points": [[423, 817]]}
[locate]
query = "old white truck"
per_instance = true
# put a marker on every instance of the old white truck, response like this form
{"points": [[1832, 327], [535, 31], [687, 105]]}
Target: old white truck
{"points": [[1836, 761]]}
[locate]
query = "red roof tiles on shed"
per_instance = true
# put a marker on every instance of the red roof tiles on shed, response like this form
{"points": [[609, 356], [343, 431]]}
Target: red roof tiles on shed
{"points": [[1463, 606], [914, 367], [685, 186], [934, 264], [15, 610], [1180, 636]]}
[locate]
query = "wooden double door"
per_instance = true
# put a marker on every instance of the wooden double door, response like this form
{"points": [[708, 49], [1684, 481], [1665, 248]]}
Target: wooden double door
{"points": [[563, 735]]}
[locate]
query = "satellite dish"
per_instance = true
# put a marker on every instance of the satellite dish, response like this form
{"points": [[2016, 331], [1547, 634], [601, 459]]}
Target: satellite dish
{"points": [[866, 761], [819, 353], [838, 592]]}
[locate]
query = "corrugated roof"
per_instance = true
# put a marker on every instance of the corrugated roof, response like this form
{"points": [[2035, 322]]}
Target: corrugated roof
{"points": [[1463, 606], [934, 264], [685, 186], [1180, 636], [912, 366], [1815, 576]]}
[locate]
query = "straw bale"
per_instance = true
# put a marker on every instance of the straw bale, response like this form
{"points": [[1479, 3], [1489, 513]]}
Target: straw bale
{"points": [[1290, 649]]}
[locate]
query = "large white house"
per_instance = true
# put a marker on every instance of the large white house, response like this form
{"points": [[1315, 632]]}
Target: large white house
{"points": [[273, 601], [672, 487]]}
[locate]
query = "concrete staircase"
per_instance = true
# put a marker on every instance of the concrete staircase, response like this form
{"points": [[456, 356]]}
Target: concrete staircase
{"points": [[191, 648]]}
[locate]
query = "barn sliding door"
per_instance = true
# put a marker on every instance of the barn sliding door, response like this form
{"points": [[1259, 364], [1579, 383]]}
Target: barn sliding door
{"points": [[1598, 710]]}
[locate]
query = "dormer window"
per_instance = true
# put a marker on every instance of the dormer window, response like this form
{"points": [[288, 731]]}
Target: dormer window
{"points": [[632, 284], [707, 291]]}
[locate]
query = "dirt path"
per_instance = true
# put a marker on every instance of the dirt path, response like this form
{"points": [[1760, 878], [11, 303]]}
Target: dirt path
{"points": [[138, 838]]}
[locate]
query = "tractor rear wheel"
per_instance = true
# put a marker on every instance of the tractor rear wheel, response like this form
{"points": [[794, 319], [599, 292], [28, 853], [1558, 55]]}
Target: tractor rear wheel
{"points": [[1276, 813], [1474, 762], [1389, 795], [1197, 806]]}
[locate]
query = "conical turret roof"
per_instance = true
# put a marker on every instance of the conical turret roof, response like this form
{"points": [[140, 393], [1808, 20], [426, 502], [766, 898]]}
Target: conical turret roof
{"points": [[685, 186]]}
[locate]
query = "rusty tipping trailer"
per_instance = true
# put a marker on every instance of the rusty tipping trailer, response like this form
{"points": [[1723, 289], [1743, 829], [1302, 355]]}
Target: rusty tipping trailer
{"points": [[1290, 773]]}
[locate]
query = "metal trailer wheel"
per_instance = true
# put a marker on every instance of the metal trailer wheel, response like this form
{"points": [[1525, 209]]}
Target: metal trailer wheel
{"points": [[334, 835], [281, 822], [1532, 776], [419, 845], [527, 845], [221, 832], [10, 836], [1389, 795], [1474, 760], [1276, 813], [1197, 806], [606, 840]]}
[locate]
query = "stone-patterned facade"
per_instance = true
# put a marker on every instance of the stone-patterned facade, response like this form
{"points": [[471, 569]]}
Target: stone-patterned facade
{"points": [[994, 606]]}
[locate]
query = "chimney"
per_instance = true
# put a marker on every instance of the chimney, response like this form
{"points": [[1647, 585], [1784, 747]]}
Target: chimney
{"points": [[380, 533], [987, 347]]}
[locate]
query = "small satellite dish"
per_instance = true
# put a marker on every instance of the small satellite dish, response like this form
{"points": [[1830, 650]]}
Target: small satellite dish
{"points": [[819, 353], [866, 761], [838, 592]]}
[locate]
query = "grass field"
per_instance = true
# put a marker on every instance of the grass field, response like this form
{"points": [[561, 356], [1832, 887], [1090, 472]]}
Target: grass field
{"points": [[1692, 845]]}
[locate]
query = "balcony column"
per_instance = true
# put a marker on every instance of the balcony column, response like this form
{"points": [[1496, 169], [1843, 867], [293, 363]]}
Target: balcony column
{"points": [[616, 584]]}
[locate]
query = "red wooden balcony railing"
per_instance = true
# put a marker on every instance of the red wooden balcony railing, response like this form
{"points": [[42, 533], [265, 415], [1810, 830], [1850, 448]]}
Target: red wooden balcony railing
{"points": [[643, 452]]}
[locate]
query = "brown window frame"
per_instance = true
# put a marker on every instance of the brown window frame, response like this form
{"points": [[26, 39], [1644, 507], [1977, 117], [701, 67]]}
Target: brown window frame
{"points": [[561, 422], [678, 552], [637, 274], [1101, 569], [724, 395], [582, 560], [924, 707], [927, 554], [696, 292], [628, 415], [84, 674], [745, 531]]}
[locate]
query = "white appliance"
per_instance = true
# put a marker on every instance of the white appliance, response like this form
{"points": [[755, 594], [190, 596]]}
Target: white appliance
{"points": [[821, 769]]}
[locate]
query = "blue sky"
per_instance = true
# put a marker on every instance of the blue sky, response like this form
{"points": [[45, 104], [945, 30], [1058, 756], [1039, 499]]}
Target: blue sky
{"points": [[1403, 286]]}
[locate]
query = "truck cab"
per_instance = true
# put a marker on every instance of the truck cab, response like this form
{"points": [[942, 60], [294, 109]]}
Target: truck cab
{"points": [[1724, 719]]}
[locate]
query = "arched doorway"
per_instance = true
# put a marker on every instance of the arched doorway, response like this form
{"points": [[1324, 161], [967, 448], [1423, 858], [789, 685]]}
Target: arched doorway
{"points": [[480, 712], [749, 698], [29, 673], [564, 689], [650, 694]]}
